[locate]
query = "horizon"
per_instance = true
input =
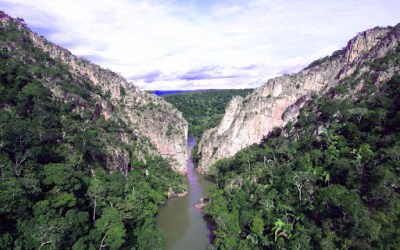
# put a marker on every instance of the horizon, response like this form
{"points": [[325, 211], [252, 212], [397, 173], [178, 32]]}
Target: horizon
{"points": [[160, 92], [226, 44]]}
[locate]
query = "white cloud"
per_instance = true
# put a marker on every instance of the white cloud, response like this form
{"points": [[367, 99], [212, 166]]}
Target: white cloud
{"points": [[161, 41]]}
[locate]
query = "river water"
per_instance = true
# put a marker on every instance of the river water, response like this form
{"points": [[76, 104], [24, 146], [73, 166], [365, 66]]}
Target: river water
{"points": [[183, 224]]}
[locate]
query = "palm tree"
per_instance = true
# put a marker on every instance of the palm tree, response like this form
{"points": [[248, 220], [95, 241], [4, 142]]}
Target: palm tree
{"points": [[282, 229]]}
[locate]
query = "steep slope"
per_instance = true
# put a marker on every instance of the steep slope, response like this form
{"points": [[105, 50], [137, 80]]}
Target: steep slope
{"points": [[330, 180], [248, 120], [80, 151], [148, 115]]}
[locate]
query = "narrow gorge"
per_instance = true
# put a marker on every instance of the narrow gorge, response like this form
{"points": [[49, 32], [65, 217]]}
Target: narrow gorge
{"points": [[308, 160], [181, 219]]}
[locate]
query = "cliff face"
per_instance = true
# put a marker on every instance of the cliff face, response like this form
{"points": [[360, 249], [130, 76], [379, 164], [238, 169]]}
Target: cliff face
{"points": [[248, 120], [146, 115]]}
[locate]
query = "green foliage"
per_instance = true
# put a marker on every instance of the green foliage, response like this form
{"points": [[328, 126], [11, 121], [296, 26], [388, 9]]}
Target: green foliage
{"points": [[122, 91], [328, 181], [56, 188], [111, 228], [204, 110], [170, 130]]}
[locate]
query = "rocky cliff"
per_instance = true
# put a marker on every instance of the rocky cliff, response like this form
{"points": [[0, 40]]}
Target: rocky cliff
{"points": [[248, 120], [146, 115]]}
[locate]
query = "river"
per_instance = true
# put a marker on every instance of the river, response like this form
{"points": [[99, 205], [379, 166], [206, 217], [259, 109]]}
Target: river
{"points": [[183, 224]]}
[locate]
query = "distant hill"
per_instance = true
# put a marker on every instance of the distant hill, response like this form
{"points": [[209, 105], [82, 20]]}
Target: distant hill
{"points": [[203, 109], [172, 92], [168, 92]]}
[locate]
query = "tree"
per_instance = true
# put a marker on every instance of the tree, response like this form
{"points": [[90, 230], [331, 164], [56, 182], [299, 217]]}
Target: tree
{"points": [[96, 194], [358, 113], [111, 229], [257, 226], [62, 176], [282, 229]]}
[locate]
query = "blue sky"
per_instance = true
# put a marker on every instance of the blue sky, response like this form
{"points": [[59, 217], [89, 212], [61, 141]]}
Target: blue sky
{"points": [[194, 44]]}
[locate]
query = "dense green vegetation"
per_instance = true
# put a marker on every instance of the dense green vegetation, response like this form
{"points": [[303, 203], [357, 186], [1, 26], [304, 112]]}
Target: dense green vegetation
{"points": [[56, 188], [204, 110], [328, 181]]}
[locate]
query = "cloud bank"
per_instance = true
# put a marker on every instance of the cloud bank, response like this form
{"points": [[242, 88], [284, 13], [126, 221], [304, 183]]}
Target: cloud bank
{"points": [[176, 44]]}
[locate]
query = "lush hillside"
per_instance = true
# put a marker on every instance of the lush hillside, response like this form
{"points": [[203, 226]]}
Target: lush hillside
{"points": [[330, 180], [276, 102], [58, 186], [204, 110]]}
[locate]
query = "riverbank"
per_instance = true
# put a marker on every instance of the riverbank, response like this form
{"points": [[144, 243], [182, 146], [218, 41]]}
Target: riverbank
{"points": [[183, 224]]}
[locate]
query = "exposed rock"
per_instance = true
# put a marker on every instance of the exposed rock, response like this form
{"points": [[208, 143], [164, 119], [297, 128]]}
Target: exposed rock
{"points": [[146, 114], [120, 158], [173, 194], [202, 203], [248, 120]]}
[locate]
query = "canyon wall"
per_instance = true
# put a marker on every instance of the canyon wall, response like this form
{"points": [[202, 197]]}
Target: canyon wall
{"points": [[248, 120], [146, 115]]}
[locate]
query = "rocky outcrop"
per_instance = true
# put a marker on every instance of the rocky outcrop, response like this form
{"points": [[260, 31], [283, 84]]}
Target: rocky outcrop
{"points": [[146, 115], [202, 203], [173, 194], [248, 120]]}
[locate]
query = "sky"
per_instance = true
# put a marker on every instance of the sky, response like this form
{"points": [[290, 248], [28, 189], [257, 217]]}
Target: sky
{"points": [[202, 44]]}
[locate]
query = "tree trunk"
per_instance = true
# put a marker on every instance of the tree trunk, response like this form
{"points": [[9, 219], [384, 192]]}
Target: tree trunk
{"points": [[102, 241], [94, 209]]}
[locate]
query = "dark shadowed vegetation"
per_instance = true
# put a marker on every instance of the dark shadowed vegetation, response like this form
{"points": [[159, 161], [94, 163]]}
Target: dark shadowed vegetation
{"points": [[330, 180], [57, 189]]}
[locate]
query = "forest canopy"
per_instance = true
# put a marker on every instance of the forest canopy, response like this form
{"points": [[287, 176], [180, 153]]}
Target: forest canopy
{"points": [[56, 188], [204, 109], [329, 180]]}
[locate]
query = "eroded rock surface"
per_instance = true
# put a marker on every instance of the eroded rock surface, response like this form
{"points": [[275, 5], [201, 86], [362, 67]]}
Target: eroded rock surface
{"points": [[248, 120], [146, 115]]}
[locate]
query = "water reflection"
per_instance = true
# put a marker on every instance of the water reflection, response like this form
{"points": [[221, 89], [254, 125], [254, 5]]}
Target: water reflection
{"points": [[182, 223]]}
